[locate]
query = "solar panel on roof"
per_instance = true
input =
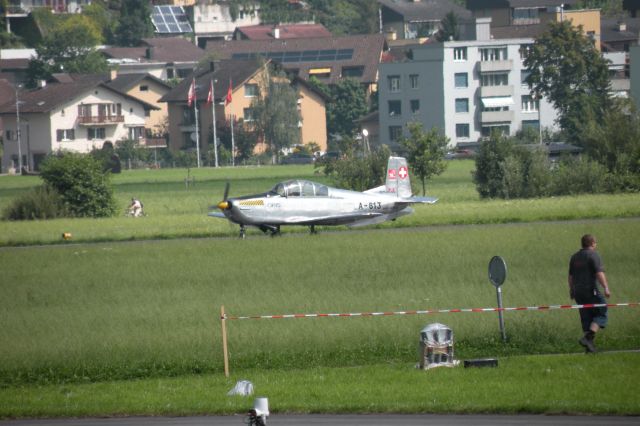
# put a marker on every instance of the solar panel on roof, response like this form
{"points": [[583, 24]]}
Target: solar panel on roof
{"points": [[170, 19]]}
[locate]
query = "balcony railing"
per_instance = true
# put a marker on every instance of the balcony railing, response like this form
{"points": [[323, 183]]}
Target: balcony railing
{"points": [[100, 119], [496, 116]]}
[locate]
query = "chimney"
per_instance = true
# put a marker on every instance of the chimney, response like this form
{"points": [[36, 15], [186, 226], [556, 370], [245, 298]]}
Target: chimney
{"points": [[42, 84], [113, 73], [276, 33], [149, 52], [622, 26]]}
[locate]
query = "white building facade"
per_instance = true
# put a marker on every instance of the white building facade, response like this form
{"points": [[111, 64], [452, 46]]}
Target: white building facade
{"points": [[466, 89]]}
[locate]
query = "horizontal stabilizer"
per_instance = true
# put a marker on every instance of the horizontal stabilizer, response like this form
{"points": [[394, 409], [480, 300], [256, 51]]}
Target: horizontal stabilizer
{"points": [[424, 200], [217, 214]]}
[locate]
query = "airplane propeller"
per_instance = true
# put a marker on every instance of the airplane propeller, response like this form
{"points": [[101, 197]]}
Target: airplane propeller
{"points": [[224, 204]]}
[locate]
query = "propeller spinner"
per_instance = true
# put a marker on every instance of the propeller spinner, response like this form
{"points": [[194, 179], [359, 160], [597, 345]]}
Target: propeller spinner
{"points": [[224, 204]]}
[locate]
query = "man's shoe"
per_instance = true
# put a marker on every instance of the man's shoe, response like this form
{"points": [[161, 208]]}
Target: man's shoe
{"points": [[588, 344]]}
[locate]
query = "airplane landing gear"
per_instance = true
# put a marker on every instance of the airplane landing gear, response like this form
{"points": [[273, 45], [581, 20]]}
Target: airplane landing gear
{"points": [[312, 230], [242, 232]]}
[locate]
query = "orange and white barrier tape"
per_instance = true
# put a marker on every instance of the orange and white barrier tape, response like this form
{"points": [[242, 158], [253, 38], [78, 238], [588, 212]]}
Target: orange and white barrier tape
{"points": [[432, 311]]}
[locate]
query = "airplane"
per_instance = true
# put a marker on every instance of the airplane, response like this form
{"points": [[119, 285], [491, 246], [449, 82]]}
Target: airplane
{"points": [[302, 202]]}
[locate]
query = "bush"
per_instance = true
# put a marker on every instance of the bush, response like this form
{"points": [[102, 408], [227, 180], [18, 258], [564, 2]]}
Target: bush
{"points": [[358, 172], [83, 186], [579, 176], [489, 175], [42, 202]]}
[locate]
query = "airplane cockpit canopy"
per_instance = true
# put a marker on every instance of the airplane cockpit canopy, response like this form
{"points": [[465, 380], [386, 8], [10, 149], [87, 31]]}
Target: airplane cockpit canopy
{"points": [[300, 188]]}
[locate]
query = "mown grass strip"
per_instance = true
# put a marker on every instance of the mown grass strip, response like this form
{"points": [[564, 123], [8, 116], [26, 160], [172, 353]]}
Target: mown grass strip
{"points": [[543, 384]]}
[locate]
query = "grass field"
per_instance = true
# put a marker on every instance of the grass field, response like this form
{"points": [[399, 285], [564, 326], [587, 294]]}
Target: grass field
{"points": [[77, 317], [175, 211]]}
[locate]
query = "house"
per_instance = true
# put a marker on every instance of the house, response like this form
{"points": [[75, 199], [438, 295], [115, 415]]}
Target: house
{"points": [[18, 11], [504, 13], [466, 88], [412, 19], [216, 21], [149, 89], [329, 59], [238, 80], [76, 113], [162, 57], [281, 31]]}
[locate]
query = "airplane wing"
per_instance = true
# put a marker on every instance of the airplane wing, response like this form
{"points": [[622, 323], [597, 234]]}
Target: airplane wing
{"points": [[341, 219], [217, 214]]}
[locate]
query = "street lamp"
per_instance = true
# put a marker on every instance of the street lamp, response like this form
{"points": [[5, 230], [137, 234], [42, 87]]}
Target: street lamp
{"points": [[365, 145]]}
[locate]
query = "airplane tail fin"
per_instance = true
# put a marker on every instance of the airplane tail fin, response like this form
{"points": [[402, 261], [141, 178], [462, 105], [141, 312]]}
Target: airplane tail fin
{"points": [[398, 181]]}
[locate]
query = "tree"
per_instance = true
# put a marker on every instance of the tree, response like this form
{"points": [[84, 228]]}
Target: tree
{"points": [[490, 170], [68, 47], [134, 23], [449, 29], [79, 179], [348, 102], [425, 152], [275, 111], [565, 67]]}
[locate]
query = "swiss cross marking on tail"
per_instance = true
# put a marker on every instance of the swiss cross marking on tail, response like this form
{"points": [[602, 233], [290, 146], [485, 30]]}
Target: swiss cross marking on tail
{"points": [[403, 173], [392, 173]]}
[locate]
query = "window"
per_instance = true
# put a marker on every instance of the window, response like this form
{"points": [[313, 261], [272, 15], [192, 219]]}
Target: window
{"points": [[144, 88], [415, 106], [395, 108], [524, 74], [462, 130], [248, 114], [250, 90], [394, 83], [460, 54], [493, 54], [524, 50], [395, 133], [413, 81], [136, 133], [461, 79], [65, 135], [529, 104], [10, 135], [95, 133], [462, 105], [170, 73], [352, 71], [502, 129], [494, 79], [531, 124], [320, 72]]}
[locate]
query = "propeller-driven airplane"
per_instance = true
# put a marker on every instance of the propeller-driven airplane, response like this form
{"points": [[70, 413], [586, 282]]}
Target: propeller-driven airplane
{"points": [[302, 202]]}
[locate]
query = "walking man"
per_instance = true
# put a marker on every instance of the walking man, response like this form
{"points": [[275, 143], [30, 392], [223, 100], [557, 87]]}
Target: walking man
{"points": [[585, 272]]}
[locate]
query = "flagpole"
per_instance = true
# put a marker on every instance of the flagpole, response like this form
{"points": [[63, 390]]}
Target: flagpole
{"points": [[233, 143], [213, 114], [195, 110]]}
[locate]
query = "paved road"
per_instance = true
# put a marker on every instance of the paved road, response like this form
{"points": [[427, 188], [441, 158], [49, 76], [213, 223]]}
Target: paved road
{"points": [[345, 420]]}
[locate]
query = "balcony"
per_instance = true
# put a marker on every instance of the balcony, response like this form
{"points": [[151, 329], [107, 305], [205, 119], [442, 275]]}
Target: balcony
{"points": [[493, 91], [496, 116], [106, 120], [494, 66]]}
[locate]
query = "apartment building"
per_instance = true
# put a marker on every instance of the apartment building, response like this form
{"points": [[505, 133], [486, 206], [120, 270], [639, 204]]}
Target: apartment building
{"points": [[465, 88]]}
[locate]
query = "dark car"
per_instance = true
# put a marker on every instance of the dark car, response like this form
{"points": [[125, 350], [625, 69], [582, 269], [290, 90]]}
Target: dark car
{"points": [[298, 159], [460, 153]]}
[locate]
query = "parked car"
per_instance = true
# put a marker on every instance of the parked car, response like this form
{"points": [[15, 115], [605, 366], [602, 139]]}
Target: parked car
{"points": [[298, 159], [459, 153]]}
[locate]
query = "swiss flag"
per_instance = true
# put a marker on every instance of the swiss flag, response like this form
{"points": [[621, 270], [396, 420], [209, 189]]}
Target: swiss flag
{"points": [[227, 100], [191, 97], [210, 95]]}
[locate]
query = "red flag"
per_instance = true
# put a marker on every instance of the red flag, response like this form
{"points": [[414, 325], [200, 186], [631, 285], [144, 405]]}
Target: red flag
{"points": [[210, 95], [191, 97], [227, 100]]}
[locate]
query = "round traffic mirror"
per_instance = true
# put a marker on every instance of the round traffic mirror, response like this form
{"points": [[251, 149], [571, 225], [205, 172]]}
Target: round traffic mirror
{"points": [[497, 271]]}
